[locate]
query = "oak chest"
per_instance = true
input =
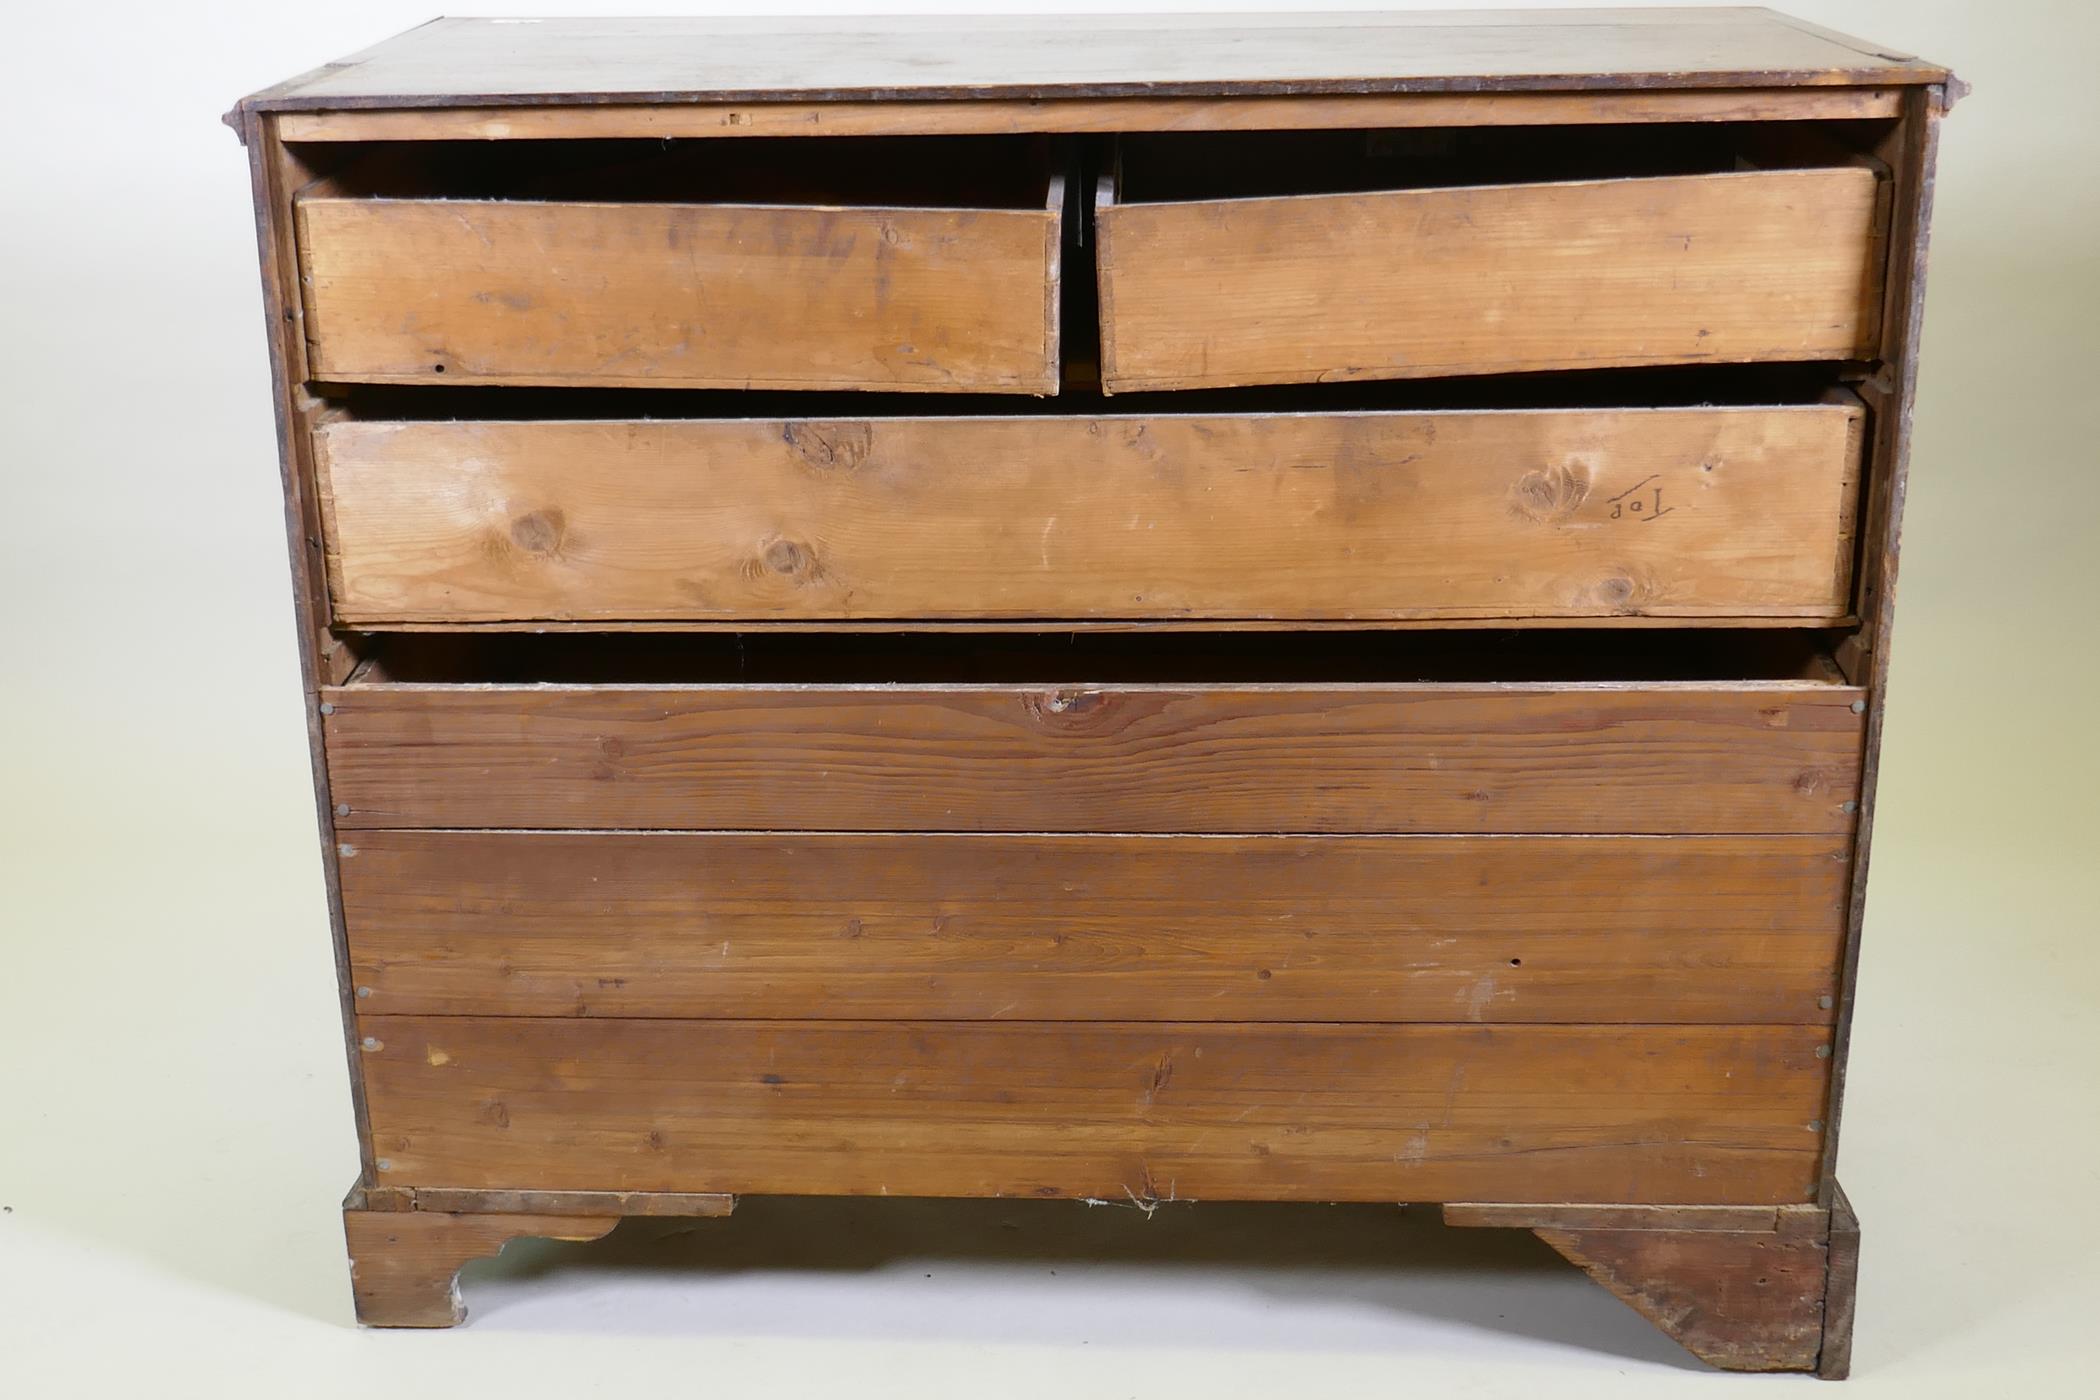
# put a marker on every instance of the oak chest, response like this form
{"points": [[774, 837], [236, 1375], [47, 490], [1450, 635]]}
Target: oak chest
{"points": [[1241, 609]]}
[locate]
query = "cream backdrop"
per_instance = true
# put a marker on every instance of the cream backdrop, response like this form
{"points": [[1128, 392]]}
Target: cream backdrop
{"points": [[174, 1124]]}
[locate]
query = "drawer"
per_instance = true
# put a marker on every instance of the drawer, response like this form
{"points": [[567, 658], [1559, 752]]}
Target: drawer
{"points": [[799, 266], [704, 734], [1718, 511], [940, 926], [1718, 1115], [1208, 279]]}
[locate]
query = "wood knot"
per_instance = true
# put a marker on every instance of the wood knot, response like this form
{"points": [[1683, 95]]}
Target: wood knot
{"points": [[1624, 592], [831, 446], [1065, 708], [539, 531], [791, 559], [1549, 495]]}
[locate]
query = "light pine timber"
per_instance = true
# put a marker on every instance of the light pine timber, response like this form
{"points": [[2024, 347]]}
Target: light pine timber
{"points": [[1725, 268], [1677, 512], [480, 291], [1673, 758], [683, 120], [1490, 929], [1656, 1114]]}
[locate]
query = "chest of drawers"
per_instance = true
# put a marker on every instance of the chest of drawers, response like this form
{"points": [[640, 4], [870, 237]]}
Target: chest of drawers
{"points": [[1261, 609]]}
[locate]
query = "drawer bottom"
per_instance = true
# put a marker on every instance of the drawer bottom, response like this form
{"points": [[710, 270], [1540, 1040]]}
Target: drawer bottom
{"points": [[1720, 1115]]}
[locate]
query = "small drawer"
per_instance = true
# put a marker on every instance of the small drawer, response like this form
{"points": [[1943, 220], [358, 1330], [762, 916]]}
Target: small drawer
{"points": [[1367, 269], [1706, 512], [780, 264]]}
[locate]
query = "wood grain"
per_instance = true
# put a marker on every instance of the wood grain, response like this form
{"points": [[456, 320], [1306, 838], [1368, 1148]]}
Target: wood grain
{"points": [[1742, 1301], [1840, 1288], [1491, 929], [476, 61], [1725, 268], [1912, 152], [1714, 1114], [404, 1264], [482, 291], [688, 120], [1678, 512], [1754, 757]]}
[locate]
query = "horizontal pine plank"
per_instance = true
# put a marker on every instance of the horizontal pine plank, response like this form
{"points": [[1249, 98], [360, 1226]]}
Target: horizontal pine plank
{"points": [[879, 926], [484, 291], [1725, 268], [1715, 1114], [1653, 512], [1755, 757]]}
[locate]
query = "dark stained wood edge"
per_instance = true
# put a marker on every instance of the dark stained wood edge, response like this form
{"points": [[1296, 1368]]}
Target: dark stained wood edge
{"points": [[1472, 621], [1840, 1289], [285, 99], [1069, 115], [281, 326], [586, 1203], [1891, 466]]}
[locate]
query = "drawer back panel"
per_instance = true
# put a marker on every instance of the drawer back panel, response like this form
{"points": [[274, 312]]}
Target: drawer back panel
{"points": [[1721, 511], [895, 265], [1316, 257]]}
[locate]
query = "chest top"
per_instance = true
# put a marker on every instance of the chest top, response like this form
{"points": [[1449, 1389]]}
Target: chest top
{"points": [[542, 61]]}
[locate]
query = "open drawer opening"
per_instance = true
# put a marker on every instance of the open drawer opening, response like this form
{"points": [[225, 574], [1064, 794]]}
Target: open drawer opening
{"points": [[935, 172], [1165, 167], [1574, 657], [908, 264], [1310, 257], [1239, 733]]}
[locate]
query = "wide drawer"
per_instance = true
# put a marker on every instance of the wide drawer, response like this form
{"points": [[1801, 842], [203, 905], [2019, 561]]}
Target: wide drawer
{"points": [[1724, 1115], [1776, 756], [727, 272], [1557, 929], [1741, 511], [1732, 265]]}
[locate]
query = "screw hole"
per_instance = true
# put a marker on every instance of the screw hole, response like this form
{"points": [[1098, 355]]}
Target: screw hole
{"points": [[1516, 962], [437, 369]]}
